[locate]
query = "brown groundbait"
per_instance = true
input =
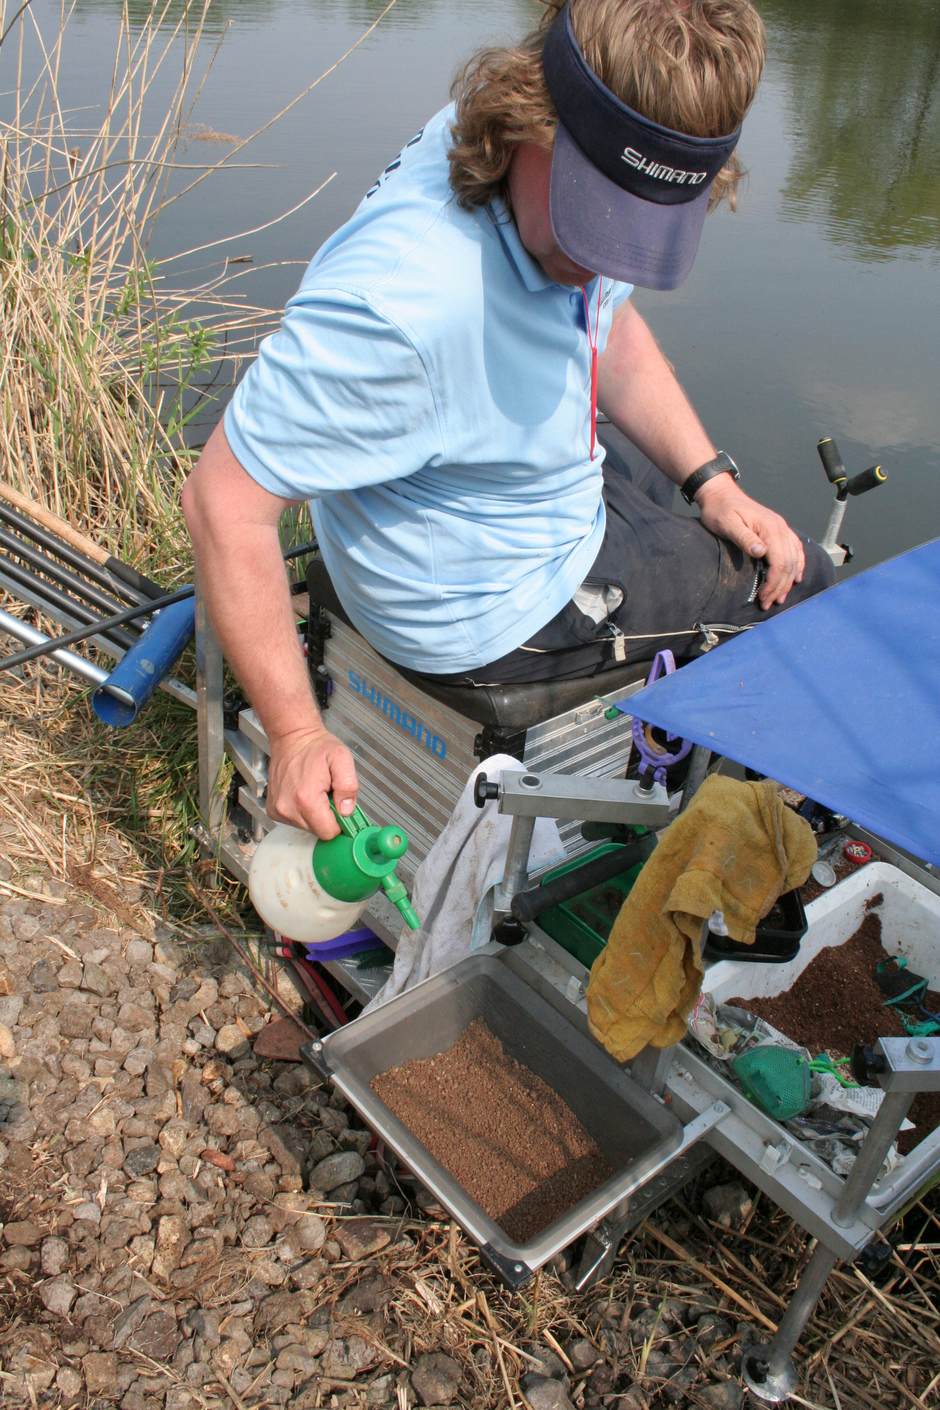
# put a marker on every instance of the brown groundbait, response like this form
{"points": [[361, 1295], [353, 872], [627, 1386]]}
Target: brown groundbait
{"points": [[498, 1129]]}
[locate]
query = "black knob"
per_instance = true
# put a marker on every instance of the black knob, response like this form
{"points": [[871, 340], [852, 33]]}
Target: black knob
{"points": [[867, 1064], [484, 791], [509, 931]]}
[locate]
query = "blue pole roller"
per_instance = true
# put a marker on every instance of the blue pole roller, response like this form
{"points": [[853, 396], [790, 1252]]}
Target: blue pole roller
{"points": [[120, 698]]}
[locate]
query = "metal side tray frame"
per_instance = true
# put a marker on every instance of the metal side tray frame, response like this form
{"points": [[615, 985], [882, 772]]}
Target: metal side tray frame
{"points": [[642, 1136]]}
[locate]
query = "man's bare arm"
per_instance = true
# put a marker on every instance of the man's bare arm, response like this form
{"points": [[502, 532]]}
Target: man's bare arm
{"points": [[640, 393], [233, 523]]}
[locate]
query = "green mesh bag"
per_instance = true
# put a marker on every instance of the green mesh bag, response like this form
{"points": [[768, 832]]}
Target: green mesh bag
{"points": [[775, 1079]]}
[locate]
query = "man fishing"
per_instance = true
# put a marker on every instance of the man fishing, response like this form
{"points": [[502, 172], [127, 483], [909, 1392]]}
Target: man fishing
{"points": [[434, 389]]}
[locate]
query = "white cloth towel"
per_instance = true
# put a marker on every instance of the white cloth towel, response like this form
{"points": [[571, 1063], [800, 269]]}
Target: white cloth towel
{"points": [[456, 877]]}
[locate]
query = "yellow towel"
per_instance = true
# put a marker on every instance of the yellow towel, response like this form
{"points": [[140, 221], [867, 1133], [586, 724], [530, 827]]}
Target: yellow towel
{"points": [[736, 849]]}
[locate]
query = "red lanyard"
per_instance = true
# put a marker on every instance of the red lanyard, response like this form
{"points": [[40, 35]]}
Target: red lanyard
{"points": [[592, 339]]}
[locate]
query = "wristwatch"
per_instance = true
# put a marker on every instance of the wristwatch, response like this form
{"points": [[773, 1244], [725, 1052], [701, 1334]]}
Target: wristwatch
{"points": [[721, 465]]}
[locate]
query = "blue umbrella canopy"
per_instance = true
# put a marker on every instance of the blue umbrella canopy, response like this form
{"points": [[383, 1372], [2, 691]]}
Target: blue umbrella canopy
{"points": [[839, 698]]}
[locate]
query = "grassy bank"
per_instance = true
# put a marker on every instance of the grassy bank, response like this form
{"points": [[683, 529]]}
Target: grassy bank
{"points": [[108, 358]]}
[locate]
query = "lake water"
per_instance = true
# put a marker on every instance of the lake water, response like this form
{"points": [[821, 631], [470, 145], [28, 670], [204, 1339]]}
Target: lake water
{"points": [[814, 310]]}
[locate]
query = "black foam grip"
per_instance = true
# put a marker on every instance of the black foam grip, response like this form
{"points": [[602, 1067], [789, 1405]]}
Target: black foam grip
{"points": [[866, 480], [831, 459], [528, 904]]}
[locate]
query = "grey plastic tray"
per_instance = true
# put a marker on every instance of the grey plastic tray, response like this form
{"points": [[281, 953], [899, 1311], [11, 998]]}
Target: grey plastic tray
{"points": [[634, 1130]]}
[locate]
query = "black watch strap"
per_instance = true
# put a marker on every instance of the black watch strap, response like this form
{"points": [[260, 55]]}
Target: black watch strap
{"points": [[721, 465]]}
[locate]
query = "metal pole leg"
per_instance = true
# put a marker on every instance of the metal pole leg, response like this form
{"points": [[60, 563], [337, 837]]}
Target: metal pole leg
{"points": [[767, 1368], [516, 872], [698, 768], [210, 722], [894, 1107]]}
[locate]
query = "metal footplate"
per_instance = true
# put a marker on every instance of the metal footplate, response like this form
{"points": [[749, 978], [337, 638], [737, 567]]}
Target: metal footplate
{"points": [[603, 1242]]}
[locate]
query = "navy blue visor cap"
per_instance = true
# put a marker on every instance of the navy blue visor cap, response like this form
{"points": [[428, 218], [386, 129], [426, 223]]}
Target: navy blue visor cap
{"points": [[628, 196]]}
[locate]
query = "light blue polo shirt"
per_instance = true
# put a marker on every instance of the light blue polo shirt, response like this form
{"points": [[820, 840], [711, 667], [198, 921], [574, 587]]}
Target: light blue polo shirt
{"points": [[429, 392]]}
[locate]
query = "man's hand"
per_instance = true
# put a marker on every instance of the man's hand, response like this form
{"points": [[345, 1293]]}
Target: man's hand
{"points": [[761, 533], [306, 766]]}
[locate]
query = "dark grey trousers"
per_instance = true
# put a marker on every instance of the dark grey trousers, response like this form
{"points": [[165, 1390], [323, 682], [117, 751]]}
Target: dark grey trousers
{"points": [[678, 581]]}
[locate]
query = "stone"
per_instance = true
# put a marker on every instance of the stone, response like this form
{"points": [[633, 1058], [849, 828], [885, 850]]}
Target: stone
{"points": [[223, 1120], [117, 1232], [632, 1399], [287, 1146], [582, 1354], [88, 1211], [172, 1235], [75, 1021], [709, 1329], [435, 1378], [70, 975], [309, 1274], [16, 1260], [134, 1017], [57, 1296], [54, 1256], [677, 1388], [22, 1232], [141, 1160], [204, 1322], [728, 1205], [544, 1393], [130, 1319], [281, 1309], [138, 953], [69, 1382], [548, 1363], [95, 980], [258, 1231], [100, 1368], [138, 1060], [351, 1140], [337, 1169], [7, 1045], [157, 1337], [42, 977], [358, 1238], [10, 1007], [346, 1192], [722, 1395], [102, 1122], [368, 1295], [174, 1137], [231, 1040], [310, 1233], [346, 1357]]}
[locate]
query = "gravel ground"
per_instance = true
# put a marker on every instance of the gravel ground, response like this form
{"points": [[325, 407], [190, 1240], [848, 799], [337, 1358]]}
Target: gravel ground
{"points": [[185, 1225]]}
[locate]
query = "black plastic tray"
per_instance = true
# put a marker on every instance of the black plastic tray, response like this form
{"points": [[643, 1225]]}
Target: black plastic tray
{"points": [[774, 943]]}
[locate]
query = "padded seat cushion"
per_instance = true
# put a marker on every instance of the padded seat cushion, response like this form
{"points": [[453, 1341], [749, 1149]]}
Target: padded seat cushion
{"points": [[506, 707]]}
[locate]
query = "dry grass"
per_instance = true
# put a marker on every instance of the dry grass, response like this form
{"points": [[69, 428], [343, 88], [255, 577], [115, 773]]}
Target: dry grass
{"points": [[103, 353]]}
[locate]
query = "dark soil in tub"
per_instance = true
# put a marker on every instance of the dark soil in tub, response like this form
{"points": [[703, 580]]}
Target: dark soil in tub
{"points": [[837, 1003], [498, 1129]]}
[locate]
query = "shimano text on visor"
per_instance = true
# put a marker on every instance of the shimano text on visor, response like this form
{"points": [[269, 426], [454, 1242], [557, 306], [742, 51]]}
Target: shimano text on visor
{"points": [[637, 154]]}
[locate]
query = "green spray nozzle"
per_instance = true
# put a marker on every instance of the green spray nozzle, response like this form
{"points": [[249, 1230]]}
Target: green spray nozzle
{"points": [[352, 873]]}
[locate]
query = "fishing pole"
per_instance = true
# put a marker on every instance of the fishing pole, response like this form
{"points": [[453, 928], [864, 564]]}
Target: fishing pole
{"points": [[130, 614]]}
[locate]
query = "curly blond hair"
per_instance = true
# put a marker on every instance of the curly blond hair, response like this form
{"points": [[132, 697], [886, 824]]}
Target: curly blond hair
{"points": [[692, 65]]}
